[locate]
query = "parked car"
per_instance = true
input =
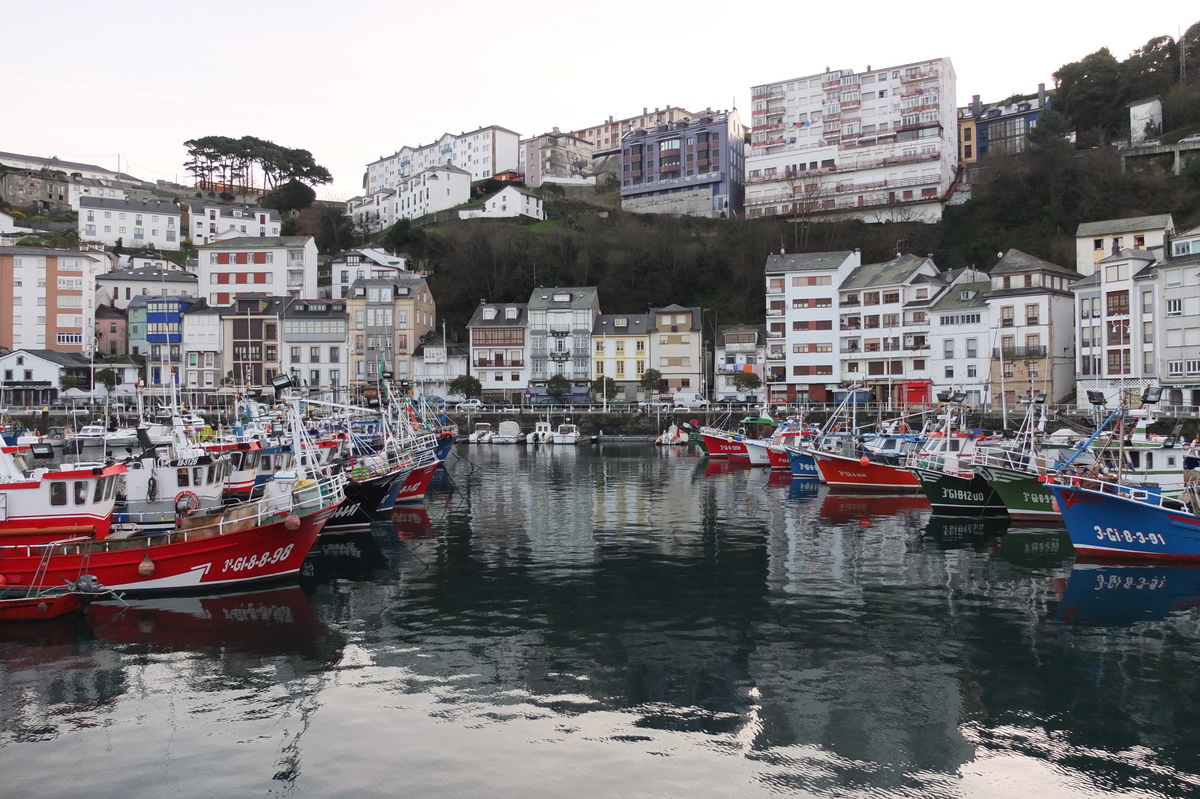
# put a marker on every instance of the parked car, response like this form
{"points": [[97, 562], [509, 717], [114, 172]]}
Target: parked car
{"points": [[654, 405], [1149, 143], [1191, 139], [472, 404], [433, 400]]}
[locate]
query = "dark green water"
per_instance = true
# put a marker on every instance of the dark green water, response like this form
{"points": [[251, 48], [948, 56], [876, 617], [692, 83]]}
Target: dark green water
{"points": [[630, 623]]}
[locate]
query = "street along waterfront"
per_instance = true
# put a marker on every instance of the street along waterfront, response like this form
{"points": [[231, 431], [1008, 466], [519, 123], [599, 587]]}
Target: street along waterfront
{"points": [[630, 620]]}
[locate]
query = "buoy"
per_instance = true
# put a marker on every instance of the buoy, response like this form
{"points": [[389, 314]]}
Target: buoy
{"points": [[146, 567], [292, 522], [864, 460], [3, 581], [43, 607]]}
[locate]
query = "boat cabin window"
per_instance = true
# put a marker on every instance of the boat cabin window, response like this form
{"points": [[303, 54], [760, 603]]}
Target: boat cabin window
{"points": [[1149, 460], [98, 497], [198, 476], [1135, 459], [58, 493], [112, 487], [181, 478], [81, 492], [954, 442]]}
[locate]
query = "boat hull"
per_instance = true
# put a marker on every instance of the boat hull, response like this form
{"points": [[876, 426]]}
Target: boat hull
{"points": [[849, 474], [36, 608], [1106, 525], [724, 447], [416, 484], [803, 465], [1026, 499], [954, 494], [361, 506], [756, 453], [175, 563]]}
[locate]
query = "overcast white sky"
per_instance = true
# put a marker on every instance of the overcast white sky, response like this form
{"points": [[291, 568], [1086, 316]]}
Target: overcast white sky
{"points": [[351, 82]]}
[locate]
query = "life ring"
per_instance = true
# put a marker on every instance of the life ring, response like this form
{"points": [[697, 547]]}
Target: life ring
{"points": [[903, 428], [193, 502]]}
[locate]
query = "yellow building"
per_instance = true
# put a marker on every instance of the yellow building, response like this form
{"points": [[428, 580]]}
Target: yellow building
{"points": [[388, 318], [620, 350]]}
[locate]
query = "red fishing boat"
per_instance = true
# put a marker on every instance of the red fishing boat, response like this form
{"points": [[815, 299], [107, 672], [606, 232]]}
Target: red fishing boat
{"points": [[42, 505]]}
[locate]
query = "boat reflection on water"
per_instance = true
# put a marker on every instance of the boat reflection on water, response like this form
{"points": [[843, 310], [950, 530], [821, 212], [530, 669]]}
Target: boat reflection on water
{"points": [[804, 489], [957, 532], [1112, 596], [349, 556], [1035, 549], [412, 523], [715, 467], [861, 509], [278, 621]]}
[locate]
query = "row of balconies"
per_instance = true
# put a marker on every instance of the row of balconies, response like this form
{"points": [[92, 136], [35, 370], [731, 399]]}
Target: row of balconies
{"points": [[1017, 353], [493, 363]]}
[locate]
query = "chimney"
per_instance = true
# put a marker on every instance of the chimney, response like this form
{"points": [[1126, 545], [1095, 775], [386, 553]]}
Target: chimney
{"points": [[976, 106], [1166, 252], [645, 110], [1041, 95]]}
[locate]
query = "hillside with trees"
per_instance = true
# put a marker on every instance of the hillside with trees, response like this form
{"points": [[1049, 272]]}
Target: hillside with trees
{"points": [[1033, 202]]}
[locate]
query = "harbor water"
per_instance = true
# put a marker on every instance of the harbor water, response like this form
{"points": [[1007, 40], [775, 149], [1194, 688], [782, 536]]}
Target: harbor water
{"points": [[629, 621]]}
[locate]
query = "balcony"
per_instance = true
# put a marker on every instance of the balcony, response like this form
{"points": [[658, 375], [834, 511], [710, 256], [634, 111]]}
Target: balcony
{"points": [[499, 363], [836, 83], [850, 350], [1017, 353], [560, 330], [555, 355], [775, 355], [918, 76]]}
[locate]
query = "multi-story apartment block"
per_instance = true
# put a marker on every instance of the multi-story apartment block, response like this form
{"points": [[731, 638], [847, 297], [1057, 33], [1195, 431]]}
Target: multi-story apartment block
{"points": [[390, 316], [156, 330], [884, 327], [51, 296], [959, 336], [1178, 317], [203, 346], [621, 350], [509, 202], [315, 335], [694, 167], [120, 286], [561, 320], [433, 190], [996, 130], [876, 145], [373, 212], [112, 332], [556, 156], [364, 263], [802, 313], [135, 223], [281, 265], [676, 349], [1031, 313], [207, 221], [436, 364], [250, 331], [606, 137], [1116, 307], [1095, 241], [481, 153], [499, 356], [739, 349]]}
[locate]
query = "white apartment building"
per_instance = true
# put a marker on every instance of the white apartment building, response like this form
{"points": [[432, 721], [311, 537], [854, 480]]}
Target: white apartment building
{"points": [[202, 345], [508, 203], [272, 266], [1178, 317], [373, 212], [802, 315], [136, 223], [432, 190], [958, 335], [78, 188], [1095, 241], [50, 299], [480, 153], [883, 319], [364, 263], [621, 350], [37, 162], [207, 221], [878, 145], [1116, 308], [1031, 324], [499, 349]]}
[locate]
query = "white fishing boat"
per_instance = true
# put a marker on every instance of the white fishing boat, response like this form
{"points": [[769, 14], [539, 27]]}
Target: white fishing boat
{"points": [[566, 433], [543, 433], [509, 432], [482, 434]]}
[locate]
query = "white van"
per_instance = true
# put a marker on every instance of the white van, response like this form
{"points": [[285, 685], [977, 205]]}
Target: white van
{"points": [[683, 400]]}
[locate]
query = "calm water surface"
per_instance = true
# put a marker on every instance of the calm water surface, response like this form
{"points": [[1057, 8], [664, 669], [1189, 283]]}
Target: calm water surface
{"points": [[629, 622]]}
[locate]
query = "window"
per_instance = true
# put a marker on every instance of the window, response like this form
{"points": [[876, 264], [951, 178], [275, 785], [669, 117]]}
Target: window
{"points": [[58, 493], [948, 351], [1031, 314], [972, 370], [314, 354], [1006, 315], [1175, 307]]}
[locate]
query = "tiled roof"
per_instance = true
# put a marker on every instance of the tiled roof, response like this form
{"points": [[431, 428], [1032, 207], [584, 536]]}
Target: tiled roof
{"points": [[807, 261], [1133, 223]]}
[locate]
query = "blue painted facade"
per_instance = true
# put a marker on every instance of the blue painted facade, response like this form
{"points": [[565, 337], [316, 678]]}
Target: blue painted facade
{"points": [[163, 334]]}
